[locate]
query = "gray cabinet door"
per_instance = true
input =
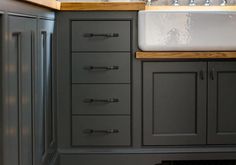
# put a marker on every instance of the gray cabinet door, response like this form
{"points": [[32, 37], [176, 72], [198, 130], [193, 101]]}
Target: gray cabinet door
{"points": [[174, 103], [43, 84], [22, 32], [222, 103]]}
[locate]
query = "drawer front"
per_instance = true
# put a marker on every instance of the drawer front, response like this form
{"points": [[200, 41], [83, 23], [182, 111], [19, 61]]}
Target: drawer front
{"points": [[101, 36], [101, 68], [101, 99], [100, 130]]}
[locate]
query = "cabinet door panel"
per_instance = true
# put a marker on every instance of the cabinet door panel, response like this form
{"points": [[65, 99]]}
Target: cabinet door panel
{"points": [[174, 103], [21, 52], [222, 103]]}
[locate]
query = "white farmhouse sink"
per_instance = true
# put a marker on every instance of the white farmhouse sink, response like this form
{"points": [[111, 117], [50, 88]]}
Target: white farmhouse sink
{"points": [[187, 30]]}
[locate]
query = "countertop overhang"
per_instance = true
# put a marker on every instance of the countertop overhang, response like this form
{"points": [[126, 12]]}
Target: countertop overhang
{"points": [[121, 6], [103, 6], [89, 6], [185, 55]]}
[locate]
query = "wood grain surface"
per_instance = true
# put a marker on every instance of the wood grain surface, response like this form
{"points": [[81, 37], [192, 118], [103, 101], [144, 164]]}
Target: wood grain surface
{"points": [[185, 55], [52, 4], [107, 6]]}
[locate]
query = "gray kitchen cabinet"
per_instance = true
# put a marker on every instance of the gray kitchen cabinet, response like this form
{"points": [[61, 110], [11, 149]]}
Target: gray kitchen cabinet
{"points": [[174, 99], [222, 103], [183, 107], [22, 44], [31, 115], [163, 108]]}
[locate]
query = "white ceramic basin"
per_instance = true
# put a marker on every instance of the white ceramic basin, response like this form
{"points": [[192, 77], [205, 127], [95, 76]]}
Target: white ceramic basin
{"points": [[187, 30]]}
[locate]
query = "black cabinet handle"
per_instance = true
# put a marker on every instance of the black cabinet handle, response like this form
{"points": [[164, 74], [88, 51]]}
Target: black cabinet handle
{"points": [[212, 76], [107, 131], [106, 35], [101, 68], [201, 75], [110, 100]]}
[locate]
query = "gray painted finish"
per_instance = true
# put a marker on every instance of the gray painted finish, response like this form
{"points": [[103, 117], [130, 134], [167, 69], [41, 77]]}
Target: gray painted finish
{"points": [[44, 112], [100, 99], [64, 65], [174, 99], [22, 32], [109, 159], [222, 103], [136, 159], [101, 68], [89, 131], [94, 35], [65, 96]]}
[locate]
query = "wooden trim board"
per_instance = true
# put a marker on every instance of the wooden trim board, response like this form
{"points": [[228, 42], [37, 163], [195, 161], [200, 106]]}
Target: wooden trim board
{"points": [[106, 6], [185, 55]]}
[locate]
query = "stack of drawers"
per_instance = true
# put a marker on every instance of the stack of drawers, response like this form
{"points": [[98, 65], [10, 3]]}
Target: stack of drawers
{"points": [[101, 83]]}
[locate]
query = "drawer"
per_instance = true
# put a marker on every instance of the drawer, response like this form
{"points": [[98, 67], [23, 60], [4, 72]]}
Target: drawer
{"points": [[100, 36], [101, 68], [100, 130], [110, 159], [101, 99]]}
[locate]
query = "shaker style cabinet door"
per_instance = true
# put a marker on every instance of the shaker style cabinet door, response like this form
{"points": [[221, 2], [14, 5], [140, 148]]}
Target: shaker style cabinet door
{"points": [[174, 103], [222, 103], [22, 33]]}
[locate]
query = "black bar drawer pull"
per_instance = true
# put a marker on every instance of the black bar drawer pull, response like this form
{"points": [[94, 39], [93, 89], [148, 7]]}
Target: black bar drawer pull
{"points": [[110, 100], [107, 35], [99, 68], [201, 75], [212, 72], [108, 131]]}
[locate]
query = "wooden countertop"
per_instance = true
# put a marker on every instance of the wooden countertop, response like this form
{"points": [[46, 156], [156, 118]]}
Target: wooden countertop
{"points": [[52, 4], [121, 6], [89, 6], [185, 55], [105, 6]]}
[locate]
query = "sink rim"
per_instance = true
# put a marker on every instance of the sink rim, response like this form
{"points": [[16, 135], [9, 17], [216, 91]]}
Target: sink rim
{"points": [[203, 9]]}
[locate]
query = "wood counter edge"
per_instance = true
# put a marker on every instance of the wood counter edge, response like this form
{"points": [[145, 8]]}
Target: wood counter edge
{"points": [[102, 6], [121, 6], [52, 4], [186, 55]]}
